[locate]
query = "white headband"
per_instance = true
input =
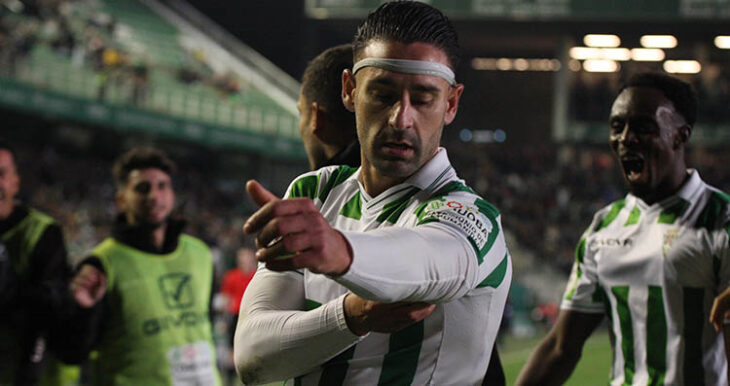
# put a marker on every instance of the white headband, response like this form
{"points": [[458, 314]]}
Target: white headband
{"points": [[420, 67]]}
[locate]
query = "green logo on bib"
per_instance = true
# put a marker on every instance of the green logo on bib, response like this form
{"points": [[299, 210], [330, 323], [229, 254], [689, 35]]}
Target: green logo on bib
{"points": [[176, 290]]}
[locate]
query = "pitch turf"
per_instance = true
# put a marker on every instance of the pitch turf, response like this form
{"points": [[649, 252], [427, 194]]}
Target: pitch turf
{"points": [[592, 368]]}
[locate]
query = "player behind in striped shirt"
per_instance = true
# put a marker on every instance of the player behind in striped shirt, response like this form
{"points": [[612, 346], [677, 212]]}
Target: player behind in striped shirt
{"points": [[652, 262]]}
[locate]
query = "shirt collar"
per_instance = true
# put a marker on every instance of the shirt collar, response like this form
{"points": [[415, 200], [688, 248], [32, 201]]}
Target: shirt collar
{"points": [[688, 191], [430, 175]]}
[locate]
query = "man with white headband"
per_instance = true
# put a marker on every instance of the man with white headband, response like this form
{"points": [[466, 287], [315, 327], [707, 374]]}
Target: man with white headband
{"points": [[392, 273]]}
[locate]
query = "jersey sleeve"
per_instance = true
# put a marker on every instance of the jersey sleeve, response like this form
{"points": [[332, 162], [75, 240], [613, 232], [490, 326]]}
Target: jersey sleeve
{"points": [[455, 246], [583, 292], [276, 339]]}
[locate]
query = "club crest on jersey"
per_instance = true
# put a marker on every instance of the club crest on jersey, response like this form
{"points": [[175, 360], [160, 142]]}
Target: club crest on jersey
{"points": [[467, 217], [669, 237]]}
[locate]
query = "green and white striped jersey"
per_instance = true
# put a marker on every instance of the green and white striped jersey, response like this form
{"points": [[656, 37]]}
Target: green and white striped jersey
{"points": [[453, 344], [654, 270]]}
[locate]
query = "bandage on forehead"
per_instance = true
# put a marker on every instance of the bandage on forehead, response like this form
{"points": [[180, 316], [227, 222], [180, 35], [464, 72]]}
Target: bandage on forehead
{"points": [[405, 66]]}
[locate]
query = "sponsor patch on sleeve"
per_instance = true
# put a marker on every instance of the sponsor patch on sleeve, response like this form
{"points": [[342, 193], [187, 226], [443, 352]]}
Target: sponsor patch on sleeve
{"points": [[480, 229]]}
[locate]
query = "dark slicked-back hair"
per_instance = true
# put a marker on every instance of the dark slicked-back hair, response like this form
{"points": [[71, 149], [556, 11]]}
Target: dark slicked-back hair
{"points": [[408, 22], [322, 83], [680, 93], [140, 158]]}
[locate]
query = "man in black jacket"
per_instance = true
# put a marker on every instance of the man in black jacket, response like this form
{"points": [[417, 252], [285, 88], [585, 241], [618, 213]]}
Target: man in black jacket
{"points": [[34, 300]]}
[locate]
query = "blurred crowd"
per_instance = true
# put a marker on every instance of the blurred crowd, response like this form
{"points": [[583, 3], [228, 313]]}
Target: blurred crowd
{"points": [[84, 34], [547, 193]]}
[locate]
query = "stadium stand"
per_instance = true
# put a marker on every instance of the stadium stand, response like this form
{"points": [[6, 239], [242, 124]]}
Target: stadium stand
{"points": [[124, 55]]}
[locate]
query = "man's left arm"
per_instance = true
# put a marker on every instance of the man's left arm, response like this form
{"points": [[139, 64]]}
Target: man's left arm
{"points": [[437, 261], [430, 263]]}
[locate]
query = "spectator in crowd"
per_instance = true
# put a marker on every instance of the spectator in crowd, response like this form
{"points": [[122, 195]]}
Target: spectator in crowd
{"points": [[233, 287], [149, 285]]}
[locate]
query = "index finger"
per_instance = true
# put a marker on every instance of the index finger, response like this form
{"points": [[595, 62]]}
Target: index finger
{"points": [[275, 209]]}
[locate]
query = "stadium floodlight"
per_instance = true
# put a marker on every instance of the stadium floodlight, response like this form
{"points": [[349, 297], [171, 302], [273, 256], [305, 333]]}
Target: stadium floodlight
{"points": [[574, 65], [620, 54], [647, 54], [601, 65], [585, 53], [682, 66], [601, 40], [722, 41], [521, 64], [515, 64], [658, 41], [504, 64], [591, 53]]}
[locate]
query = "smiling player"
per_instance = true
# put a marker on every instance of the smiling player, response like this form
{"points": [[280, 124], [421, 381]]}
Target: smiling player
{"points": [[651, 262], [148, 286]]}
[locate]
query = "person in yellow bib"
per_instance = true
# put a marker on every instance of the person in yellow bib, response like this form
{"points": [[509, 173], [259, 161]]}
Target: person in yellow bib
{"points": [[149, 286], [34, 275]]}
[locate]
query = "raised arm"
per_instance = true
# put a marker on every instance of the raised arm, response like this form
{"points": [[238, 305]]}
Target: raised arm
{"points": [[552, 362], [433, 262]]}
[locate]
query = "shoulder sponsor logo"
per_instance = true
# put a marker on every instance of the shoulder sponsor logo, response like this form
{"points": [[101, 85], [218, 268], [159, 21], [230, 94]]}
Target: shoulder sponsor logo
{"points": [[596, 244], [466, 217]]}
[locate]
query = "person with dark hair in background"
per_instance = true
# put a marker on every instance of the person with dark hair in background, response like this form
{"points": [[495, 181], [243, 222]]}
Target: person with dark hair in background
{"points": [[393, 273], [651, 262], [149, 285], [34, 277], [327, 128]]}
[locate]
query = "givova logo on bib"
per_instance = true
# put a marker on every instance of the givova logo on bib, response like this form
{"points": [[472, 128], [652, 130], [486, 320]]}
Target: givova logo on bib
{"points": [[464, 216], [176, 290]]}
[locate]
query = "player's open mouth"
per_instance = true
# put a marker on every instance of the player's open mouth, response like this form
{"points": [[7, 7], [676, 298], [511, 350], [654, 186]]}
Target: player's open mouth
{"points": [[633, 165], [397, 148]]}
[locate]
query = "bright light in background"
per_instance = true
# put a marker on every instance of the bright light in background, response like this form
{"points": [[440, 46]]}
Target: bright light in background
{"points": [[500, 136], [722, 41], [584, 53], [482, 136], [466, 135], [682, 66], [504, 64], [658, 41], [601, 40], [616, 53], [601, 65], [589, 53], [574, 65], [647, 54], [521, 64], [517, 64]]}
